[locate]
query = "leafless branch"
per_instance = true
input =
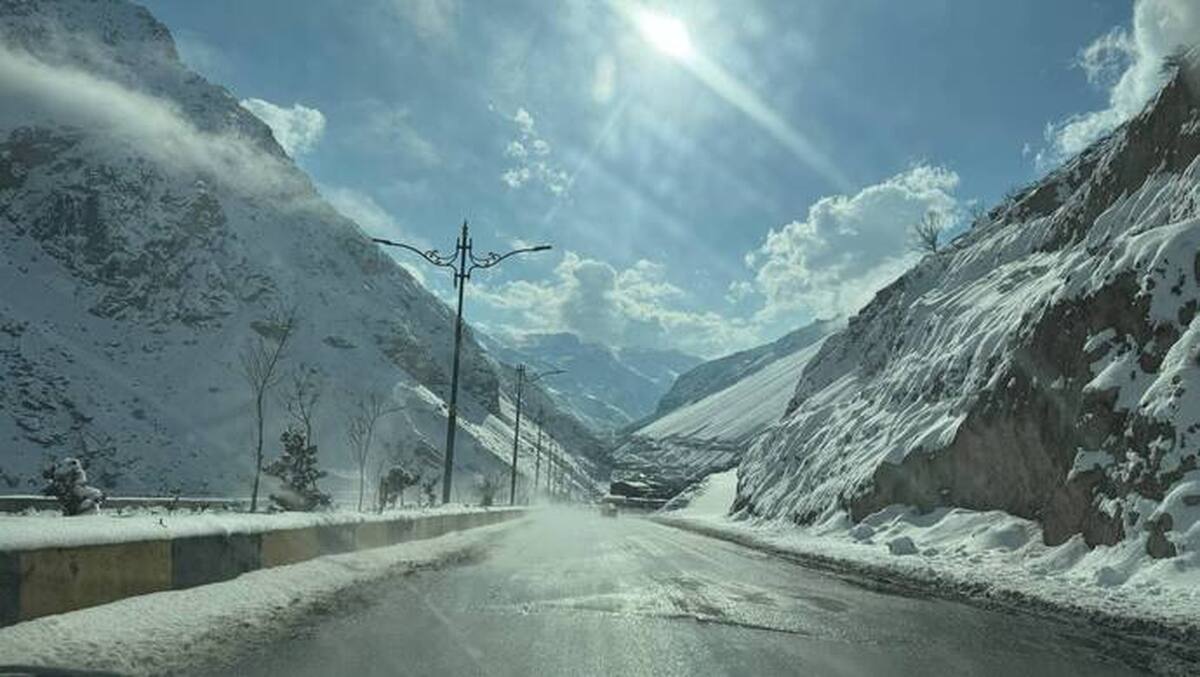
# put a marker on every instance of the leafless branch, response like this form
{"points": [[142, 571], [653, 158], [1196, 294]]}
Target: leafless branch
{"points": [[360, 432], [259, 363], [926, 233]]}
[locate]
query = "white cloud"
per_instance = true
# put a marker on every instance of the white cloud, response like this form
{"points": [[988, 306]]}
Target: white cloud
{"points": [[739, 290], [530, 154], [847, 247], [433, 20], [631, 306], [297, 129], [516, 150], [1128, 64], [126, 118], [524, 121]]}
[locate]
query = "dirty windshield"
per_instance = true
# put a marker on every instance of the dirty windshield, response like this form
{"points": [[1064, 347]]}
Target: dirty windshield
{"points": [[599, 337]]}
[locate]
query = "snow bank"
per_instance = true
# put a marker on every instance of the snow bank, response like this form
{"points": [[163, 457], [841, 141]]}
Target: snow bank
{"points": [[710, 497], [991, 555], [210, 625], [49, 530]]}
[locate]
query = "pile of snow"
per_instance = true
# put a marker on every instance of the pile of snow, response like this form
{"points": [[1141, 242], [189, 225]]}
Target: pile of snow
{"points": [[710, 497], [210, 626], [992, 554]]}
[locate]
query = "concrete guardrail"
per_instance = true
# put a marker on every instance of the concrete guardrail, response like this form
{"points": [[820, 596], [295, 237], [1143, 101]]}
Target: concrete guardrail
{"points": [[39, 582], [22, 502]]}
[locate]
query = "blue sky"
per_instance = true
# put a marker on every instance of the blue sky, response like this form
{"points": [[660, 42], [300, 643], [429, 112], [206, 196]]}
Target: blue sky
{"points": [[707, 200]]}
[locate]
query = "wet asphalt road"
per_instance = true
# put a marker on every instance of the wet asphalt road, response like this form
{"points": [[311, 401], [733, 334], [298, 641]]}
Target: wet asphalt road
{"points": [[573, 593]]}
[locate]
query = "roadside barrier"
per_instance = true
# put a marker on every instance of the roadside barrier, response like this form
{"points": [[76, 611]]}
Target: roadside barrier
{"points": [[53, 580]]}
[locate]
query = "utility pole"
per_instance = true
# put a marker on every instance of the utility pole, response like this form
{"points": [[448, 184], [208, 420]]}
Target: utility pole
{"points": [[557, 473], [462, 262], [550, 468], [512, 486], [512, 489], [537, 453]]}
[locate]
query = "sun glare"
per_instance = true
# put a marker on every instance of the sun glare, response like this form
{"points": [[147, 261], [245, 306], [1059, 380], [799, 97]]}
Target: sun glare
{"points": [[666, 33]]}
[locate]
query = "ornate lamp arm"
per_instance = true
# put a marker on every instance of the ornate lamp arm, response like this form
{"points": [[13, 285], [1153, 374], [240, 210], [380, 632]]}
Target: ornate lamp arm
{"points": [[547, 373], [430, 255], [492, 258]]}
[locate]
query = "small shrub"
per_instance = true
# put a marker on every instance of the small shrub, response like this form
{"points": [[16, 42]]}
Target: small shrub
{"points": [[297, 472], [429, 489], [486, 487], [67, 481], [392, 486]]}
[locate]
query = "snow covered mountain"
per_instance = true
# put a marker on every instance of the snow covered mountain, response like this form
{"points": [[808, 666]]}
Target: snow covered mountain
{"points": [[718, 374], [607, 388], [719, 407], [1045, 364], [149, 228]]}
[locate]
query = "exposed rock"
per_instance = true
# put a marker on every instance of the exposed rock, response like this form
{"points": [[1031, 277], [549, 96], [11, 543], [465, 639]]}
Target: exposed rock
{"points": [[1064, 324]]}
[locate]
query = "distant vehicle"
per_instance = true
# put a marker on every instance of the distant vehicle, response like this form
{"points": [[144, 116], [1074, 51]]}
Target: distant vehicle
{"points": [[608, 510]]}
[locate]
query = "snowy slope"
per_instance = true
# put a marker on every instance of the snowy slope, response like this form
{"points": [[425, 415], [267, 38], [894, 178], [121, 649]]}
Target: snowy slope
{"points": [[149, 225], [711, 433], [714, 375], [606, 388], [1045, 364]]}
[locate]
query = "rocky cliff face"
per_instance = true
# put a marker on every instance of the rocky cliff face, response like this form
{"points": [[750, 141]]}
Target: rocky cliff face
{"points": [[1045, 364], [148, 226]]}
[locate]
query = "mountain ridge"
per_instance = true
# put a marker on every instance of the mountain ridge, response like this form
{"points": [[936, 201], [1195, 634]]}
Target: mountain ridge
{"points": [[1038, 366], [151, 225]]}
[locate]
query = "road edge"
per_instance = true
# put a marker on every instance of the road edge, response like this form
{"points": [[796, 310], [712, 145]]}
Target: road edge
{"points": [[1146, 637]]}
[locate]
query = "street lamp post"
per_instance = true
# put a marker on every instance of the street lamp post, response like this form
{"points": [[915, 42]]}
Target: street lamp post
{"points": [[462, 263], [512, 489]]}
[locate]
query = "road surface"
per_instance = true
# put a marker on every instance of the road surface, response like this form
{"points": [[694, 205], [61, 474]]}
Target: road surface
{"points": [[573, 593]]}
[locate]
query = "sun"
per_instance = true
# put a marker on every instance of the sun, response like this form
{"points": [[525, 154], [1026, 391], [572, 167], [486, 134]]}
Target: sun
{"points": [[666, 33]]}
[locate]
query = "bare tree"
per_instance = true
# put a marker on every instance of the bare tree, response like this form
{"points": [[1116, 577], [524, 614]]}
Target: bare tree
{"points": [[978, 214], [429, 486], [260, 369], [927, 232], [301, 399], [487, 486], [360, 431]]}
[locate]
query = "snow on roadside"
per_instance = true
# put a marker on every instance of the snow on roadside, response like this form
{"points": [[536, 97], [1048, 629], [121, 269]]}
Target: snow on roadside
{"points": [[46, 530], [710, 497], [988, 554], [210, 625]]}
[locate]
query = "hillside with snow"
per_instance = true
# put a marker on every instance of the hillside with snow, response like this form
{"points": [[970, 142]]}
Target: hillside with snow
{"points": [[715, 375], [151, 229], [710, 433], [1045, 364], [606, 388]]}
